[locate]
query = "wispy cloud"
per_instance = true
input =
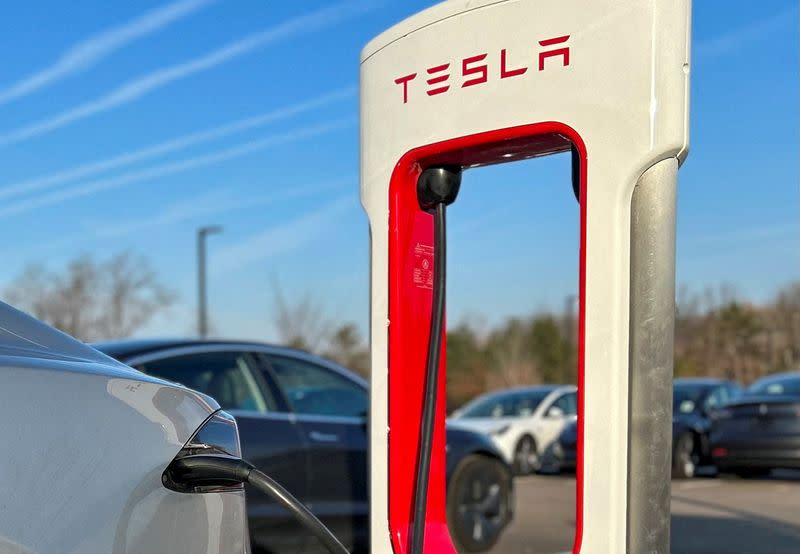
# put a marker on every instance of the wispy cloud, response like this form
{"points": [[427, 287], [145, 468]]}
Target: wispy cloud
{"points": [[215, 202], [280, 239], [94, 49], [739, 37], [173, 145], [136, 88], [172, 168]]}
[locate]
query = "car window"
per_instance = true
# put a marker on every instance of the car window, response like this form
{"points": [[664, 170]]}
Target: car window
{"points": [[717, 398], [505, 404], [225, 376], [316, 390], [568, 403]]}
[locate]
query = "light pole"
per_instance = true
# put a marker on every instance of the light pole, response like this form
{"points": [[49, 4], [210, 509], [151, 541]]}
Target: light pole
{"points": [[202, 307]]}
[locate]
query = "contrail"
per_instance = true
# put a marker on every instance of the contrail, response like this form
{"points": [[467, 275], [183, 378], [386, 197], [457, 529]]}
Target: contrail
{"points": [[214, 202], [172, 167], [282, 238], [172, 145], [136, 88], [94, 49]]}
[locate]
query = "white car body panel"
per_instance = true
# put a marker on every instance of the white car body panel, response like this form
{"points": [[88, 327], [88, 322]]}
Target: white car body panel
{"points": [[543, 429], [86, 440]]}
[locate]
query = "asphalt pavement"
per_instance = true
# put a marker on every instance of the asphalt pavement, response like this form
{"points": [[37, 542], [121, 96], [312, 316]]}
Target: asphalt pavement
{"points": [[710, 515]]}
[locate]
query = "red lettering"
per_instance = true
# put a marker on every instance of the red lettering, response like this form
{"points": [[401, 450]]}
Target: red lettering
{"points": [[563, 52], [481, 70], [504, 72], [475, 69], [437, 80], [404, 81]]}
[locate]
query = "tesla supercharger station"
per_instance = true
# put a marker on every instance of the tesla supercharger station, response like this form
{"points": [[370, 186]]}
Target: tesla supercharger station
{"points": [[477, 82]]}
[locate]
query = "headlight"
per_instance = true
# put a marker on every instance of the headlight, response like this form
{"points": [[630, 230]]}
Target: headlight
{"points": [[219, 436], [500, 430]]}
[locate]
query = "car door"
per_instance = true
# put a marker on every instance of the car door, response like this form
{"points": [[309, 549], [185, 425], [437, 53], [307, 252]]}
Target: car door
{"points": [[330, 409], [270, 438], [562, 410]]}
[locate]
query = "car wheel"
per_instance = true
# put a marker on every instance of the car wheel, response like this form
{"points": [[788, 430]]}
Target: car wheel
{"points": [[526, 457], [478, 503], [684, 457]]}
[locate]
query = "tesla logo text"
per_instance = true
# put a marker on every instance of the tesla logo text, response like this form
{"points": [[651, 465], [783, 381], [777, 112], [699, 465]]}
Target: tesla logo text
{"points": [[474, 70]]}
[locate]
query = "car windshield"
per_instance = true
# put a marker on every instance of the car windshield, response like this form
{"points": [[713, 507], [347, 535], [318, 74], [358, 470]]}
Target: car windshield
{"points": [[785, 386], [687, 397], [509, 404]]}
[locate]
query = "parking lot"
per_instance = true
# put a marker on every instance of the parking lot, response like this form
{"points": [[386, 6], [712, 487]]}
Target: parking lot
{"points": [[709, 516]]}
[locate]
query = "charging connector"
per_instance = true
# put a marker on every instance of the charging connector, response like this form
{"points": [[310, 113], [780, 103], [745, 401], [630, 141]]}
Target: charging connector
{"points": [[437, 187], [216, 470]]}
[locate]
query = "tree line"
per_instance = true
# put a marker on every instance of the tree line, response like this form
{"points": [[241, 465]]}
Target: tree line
{"points": [[717, 332]]}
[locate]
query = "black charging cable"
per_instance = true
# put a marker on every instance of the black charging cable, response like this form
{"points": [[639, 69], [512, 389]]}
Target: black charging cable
{"points": [[436, 188], [212, 470]]}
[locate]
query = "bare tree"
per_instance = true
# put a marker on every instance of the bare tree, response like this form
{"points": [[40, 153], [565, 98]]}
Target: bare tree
{"points": [[509, 354], [133, 295], [346, 348], [302, 324], [92, 300], [785, 338]]}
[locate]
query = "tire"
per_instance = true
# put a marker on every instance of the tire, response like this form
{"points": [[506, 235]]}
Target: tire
{"points": [[526, 457], [478, 496], [684, 457]]}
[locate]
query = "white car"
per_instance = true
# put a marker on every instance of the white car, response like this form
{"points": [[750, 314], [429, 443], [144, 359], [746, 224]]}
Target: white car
{"points": [[522, 422], [87, 443]]}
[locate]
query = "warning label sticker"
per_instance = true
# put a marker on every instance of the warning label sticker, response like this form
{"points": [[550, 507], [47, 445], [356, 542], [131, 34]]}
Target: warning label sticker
{"points": [[423, 266]]}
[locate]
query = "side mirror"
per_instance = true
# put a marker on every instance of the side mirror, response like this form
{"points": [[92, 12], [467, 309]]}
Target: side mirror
{"points": [[555, 412]]}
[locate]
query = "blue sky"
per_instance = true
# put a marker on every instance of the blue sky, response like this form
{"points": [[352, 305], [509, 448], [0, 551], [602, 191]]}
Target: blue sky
{"points": [[126, 125]]}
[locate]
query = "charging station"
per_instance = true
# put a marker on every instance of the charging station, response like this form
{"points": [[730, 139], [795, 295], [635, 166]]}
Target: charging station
{"points": [[476, 82]]}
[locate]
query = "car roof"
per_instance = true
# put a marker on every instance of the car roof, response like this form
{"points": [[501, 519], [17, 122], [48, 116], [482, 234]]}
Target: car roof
{"points": [[701, 381], [522, 390], [131, 348], [776, 377]]}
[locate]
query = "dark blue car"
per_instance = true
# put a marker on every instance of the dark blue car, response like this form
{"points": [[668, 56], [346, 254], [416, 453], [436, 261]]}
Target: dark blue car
{"points": [[760, 431], [694, 401], [303, 421]]}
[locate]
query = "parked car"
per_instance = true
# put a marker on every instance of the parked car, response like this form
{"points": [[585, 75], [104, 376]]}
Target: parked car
{"points": [[562, 454], [302, 420], [522, 422], [760, 431], [86, 440], [694, 402]]}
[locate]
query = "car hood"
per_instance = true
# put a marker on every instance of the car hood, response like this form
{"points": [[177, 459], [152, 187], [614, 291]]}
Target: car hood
{"points": [[27, 342], [481, 425], [763, 399], [24, 336]]}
